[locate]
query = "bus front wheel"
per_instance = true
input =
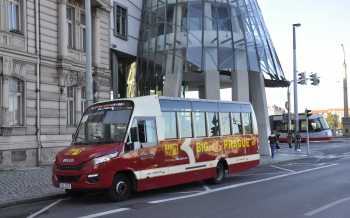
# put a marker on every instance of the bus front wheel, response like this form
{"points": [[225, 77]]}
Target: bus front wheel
{"points": [[121, 188]]}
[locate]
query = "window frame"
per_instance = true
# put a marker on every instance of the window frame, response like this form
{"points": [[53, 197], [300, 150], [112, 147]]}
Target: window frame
{"points": [[82, 30], [118, 16], [71, 115], [71, 18], [20, 93], [18, 26]]}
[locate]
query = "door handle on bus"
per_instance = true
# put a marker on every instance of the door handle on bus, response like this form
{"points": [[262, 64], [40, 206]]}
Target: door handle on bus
{"points": [[146, 156]]}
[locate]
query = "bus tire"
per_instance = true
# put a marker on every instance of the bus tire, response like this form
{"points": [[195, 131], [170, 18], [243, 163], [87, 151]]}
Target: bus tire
{"points": [[121, 188], [220, 173]]}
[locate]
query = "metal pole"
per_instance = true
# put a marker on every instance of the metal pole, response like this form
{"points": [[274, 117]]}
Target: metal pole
{"points": [[345, 84], [88, 72], [289, 114], [307, 135], [295, 85]]}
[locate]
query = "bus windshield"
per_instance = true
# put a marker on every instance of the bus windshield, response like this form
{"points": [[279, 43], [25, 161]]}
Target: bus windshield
{"points": [[103, 126]]}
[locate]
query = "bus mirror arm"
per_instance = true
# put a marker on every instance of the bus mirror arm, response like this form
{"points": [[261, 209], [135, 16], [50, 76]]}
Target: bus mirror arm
{"points": [[129, 146]]}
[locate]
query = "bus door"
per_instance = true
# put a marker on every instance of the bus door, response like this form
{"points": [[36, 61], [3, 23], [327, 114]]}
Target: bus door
{"points": [[144, 140]]}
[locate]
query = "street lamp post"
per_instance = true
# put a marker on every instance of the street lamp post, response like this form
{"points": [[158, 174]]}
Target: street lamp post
{"points": [[88, 71], [346, 120], [345, 83], [295, 84]]}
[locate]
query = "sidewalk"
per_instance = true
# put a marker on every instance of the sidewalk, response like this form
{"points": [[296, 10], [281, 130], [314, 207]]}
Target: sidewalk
{"points": [[34, 184], [285, 154], [23, 185]]}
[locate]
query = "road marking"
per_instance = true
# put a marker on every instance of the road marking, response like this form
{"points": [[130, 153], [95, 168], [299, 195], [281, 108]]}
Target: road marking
{"points": [[239, 185], [45, 208], [186, 192], [105, 213], [255, 174], [281, 168], [327, 206]]}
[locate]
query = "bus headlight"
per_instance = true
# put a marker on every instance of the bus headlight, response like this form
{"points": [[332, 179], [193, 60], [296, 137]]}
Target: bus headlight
{"points": [[104, 159]]}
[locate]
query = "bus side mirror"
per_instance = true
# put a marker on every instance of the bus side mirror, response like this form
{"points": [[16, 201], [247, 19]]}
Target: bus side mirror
{"points": [[133, 134]]}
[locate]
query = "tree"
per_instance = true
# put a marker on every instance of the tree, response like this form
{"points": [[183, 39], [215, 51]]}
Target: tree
{"points": [[333, 121]]}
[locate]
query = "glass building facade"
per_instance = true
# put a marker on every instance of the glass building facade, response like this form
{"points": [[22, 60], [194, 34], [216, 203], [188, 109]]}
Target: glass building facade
{"points": [[182, 40]]}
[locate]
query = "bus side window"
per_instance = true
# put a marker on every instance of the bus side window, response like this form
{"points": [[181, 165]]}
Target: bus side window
{"points": [[236, 124], [143, 132], [247, 123], [213, 124]]}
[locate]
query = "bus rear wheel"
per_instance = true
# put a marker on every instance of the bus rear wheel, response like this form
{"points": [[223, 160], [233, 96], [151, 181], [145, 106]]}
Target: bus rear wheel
{"points": [[121, 188], [220, 173]]}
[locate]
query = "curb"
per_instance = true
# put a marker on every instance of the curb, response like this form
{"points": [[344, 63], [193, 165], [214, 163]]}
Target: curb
{"points": [[32, 200]]}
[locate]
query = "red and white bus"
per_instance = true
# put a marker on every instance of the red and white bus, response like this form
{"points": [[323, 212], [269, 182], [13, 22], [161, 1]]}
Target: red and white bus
{"points": [[151, 142]]}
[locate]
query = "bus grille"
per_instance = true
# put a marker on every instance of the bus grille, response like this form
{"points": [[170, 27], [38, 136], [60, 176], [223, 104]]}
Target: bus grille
{"points": [[70, 167], [68, 178]]}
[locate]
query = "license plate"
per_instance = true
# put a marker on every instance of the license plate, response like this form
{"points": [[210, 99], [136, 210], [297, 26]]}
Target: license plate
{"points": [[65, 186]]}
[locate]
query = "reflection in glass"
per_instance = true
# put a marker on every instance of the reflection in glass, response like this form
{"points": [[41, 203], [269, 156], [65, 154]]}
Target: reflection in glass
{"points": [[182, 40]]}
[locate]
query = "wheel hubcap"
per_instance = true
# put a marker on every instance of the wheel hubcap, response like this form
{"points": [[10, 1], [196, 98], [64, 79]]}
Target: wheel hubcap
{"points": [[121, 187]]}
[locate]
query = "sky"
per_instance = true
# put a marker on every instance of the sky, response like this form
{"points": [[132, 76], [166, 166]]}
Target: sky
{"points": [[324, 27]]}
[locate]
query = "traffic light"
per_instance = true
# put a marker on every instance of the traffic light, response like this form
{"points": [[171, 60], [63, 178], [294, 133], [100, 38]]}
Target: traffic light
{"points": [[308, 112], [302, 78], [315, 80]]}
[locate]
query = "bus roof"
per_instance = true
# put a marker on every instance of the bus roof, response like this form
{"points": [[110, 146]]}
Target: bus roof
{"points": [[183, 104]]}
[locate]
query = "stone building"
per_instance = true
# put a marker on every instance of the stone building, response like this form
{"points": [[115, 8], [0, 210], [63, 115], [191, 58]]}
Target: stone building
{"points": [[42, 65]]}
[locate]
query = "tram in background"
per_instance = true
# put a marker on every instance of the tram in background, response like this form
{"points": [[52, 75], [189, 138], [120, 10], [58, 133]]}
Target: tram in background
{"points": [[318, 127]]}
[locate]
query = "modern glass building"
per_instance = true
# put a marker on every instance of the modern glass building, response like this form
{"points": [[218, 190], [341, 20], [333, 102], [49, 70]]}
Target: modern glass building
{"points": [[187, 45]]}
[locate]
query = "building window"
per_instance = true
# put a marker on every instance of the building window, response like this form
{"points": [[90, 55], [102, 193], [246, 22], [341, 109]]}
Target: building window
{"points": [[120, 22], [70, 22], [16, 102], [82, 31], [14, 13], [83, 100], [71, 106]]}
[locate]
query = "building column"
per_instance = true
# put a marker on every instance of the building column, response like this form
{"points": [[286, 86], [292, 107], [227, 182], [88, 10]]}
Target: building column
{"points": [[240, 78], [173, 76], [201, 92], [62, 29], [258, 100], [212, 85]]}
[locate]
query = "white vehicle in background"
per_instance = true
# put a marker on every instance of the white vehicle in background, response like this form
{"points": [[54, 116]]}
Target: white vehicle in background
{"points": [[318, 127]]}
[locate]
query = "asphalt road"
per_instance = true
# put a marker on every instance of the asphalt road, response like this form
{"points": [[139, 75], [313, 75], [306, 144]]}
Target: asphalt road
{"points": [[310, 187]]}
